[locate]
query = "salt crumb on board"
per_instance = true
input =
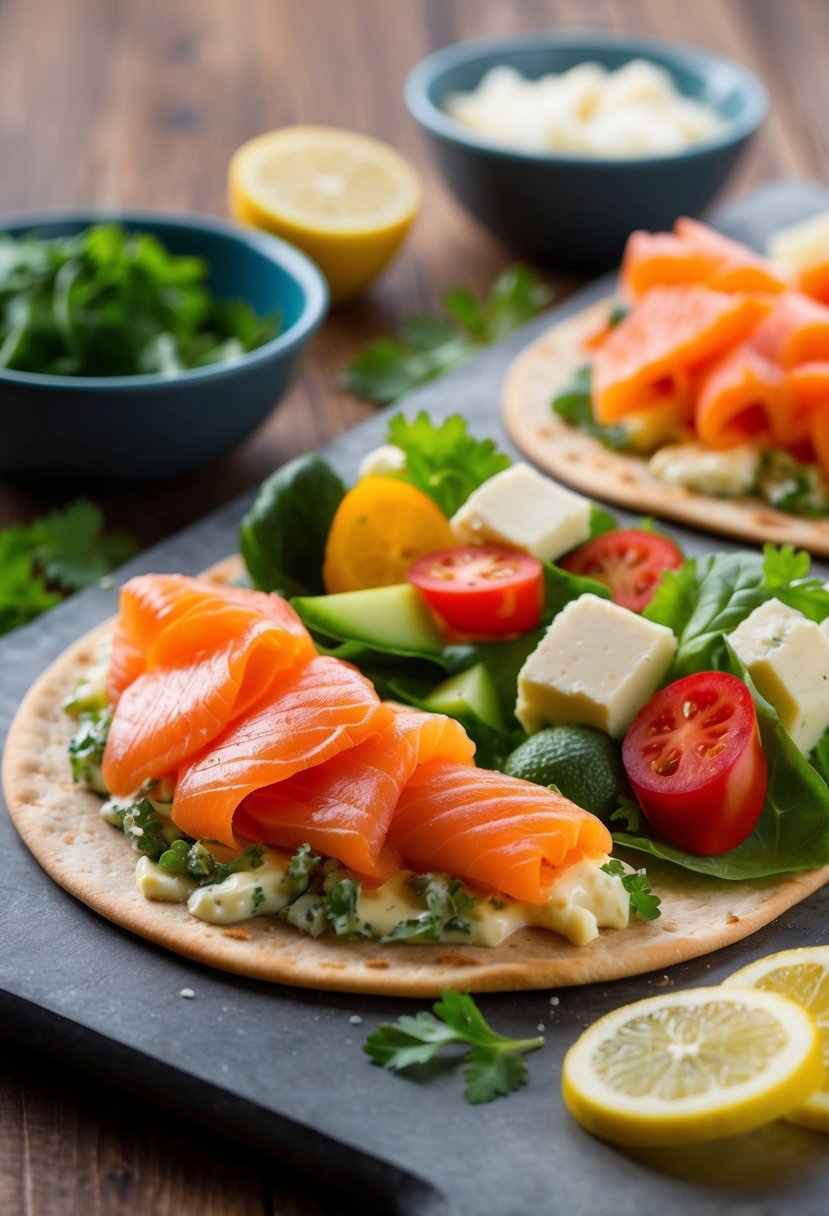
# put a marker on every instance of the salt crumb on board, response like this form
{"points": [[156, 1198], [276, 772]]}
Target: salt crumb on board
{"points": [[187, 993]]}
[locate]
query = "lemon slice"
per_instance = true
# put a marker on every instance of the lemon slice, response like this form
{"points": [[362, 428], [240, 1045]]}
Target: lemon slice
{"points": [[803, 976], [343, 198], [686, 1067]]}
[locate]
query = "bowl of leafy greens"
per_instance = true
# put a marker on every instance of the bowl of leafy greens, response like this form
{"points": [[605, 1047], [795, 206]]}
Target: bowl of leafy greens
{"points": [[139, 346]]}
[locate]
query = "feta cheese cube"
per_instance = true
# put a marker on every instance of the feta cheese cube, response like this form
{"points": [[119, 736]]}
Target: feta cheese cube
{"points": [[525, 509], [598, 663], [787, 657]]}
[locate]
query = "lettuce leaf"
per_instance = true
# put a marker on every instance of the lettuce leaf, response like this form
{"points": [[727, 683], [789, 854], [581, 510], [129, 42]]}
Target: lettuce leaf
{"points": [[283, 535], [445, 461]]}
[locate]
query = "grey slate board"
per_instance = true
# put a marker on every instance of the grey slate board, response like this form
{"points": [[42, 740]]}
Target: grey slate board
{"points": [[282, 1069]]}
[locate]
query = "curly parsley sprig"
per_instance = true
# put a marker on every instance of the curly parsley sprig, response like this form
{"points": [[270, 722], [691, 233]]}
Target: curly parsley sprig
{"points": [[494, 1066]]}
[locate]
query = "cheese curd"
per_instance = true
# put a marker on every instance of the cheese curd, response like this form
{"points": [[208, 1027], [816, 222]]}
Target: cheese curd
{"points": [[597, 664], [731, 473], [634, 111], [524, 509], [787, 657]]}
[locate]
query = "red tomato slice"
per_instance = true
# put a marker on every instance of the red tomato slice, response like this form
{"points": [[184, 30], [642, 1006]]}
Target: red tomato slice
{"points": [[694, 758], [628, 561], [482, 591]]}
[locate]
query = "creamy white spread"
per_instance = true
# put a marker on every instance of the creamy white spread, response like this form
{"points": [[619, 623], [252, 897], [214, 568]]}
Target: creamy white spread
{"points": [[731, 473], [585, 899], [634, 111]]}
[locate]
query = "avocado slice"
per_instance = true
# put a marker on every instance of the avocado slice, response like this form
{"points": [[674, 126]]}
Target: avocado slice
{"points": [[471, 691], [386, 618]]}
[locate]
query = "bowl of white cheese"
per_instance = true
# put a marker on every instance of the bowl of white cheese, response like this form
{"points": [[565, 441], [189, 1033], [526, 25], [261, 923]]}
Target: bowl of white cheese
{"points": [[562, 143]]}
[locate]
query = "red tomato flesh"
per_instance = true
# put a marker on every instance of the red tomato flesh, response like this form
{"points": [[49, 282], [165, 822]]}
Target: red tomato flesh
{"points": [[694, 759], [630, 562], [482, 591]]}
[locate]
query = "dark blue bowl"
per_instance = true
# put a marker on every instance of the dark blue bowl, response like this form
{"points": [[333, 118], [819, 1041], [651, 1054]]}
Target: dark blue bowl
{"points": [[132, 429], [577, 211]]}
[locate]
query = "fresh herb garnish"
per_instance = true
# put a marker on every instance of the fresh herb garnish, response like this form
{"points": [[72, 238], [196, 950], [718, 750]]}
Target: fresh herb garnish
{"points": [[86, 748], [428, 346], [55, 555], [494, 1066], [444, 460], [788, 484], [303, 864], [446, 906], [143, 828], [107, 302], [194, 859], [341, 910], [638, 887], [575, 405]]}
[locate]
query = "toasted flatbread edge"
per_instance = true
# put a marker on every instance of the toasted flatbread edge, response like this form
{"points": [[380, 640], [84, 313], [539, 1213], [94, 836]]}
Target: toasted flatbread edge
{"points": [[542, 370], [61, 824]]}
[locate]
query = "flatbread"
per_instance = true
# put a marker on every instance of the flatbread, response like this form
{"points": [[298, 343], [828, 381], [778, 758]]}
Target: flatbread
{"points": [[541, 371], [62, 826]]}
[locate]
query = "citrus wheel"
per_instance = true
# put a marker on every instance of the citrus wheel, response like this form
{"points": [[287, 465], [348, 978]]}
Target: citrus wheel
{"points": [[803, 976], [687, 1067], [345, 199], [381, 526]]}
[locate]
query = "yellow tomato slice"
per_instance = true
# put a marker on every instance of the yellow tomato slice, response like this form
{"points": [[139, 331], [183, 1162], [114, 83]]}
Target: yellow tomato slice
{"points": [[380, 528]]}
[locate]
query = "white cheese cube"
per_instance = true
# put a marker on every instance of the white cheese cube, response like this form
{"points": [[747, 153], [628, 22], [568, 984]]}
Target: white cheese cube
{"points": [[598, 663], [525, 509], [787, 657], [384, 461]]}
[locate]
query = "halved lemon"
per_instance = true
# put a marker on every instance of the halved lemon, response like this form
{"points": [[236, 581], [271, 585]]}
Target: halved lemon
{"points": [[803, 976], [345, 199], [686, 1067], [380, 528]]}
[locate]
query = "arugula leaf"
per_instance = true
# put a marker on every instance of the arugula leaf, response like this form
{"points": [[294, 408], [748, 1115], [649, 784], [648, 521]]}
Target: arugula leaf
{"points": [[575, 405], [494, 1065], [444, 460], [282, 537], [428, 346], [638, 887]]}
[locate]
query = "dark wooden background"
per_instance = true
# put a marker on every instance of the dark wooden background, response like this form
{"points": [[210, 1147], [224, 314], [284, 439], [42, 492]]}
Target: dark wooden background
{"points": [[141, 103]]}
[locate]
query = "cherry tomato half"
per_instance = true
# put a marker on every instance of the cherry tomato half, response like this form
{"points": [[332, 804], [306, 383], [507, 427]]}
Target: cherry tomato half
{"points": [[628, 561], [694, 758], [482, 591]]}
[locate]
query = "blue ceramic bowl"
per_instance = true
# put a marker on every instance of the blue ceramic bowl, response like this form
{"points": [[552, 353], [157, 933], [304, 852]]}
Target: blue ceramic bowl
{"points": [[577, 211], [131, 429]]}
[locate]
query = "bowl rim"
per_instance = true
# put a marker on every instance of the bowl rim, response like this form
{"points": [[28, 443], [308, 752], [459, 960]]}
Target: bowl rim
{"points": [[290, 259], [694, 58]]}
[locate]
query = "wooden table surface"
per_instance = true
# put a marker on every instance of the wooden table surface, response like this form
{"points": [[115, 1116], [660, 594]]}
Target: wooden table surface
{"points": [[141, 103]]}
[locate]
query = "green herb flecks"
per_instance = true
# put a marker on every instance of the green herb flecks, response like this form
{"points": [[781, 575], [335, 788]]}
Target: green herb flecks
{"points": [[638, 887], [575, 405], [86, 749], [143, 828], [788, 484], [55, 555], [446, 907], [107, 302], [341, 910], [494, 1066], [428, 346], [443, 459], [303, 863]]}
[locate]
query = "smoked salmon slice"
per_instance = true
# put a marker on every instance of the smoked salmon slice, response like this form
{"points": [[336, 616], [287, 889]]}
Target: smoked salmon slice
{"points": [[163, 610], [745, 395], [343, 808], [314, 712], [650, 355], [210, 656], [694, 253], [814, 281], [495, 831]]}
